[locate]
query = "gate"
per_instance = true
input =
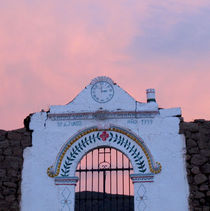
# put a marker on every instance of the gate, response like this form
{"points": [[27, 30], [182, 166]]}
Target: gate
{"points": [[104, 181]]}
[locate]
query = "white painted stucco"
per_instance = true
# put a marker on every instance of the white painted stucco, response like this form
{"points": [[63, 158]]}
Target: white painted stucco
{"points": [[159, 130]]}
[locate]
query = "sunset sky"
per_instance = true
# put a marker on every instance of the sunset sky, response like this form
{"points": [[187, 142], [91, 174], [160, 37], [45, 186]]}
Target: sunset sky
{"points": [[50, 50]]}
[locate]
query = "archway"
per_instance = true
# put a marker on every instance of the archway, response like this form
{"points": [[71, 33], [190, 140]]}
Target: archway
{"points": [[79, 145]]}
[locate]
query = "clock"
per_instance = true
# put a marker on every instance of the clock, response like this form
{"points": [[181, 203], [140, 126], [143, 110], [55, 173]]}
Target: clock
{"points": [[102, 91]]}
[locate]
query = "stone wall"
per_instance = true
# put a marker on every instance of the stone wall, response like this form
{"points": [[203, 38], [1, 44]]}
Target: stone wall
{"points": [[12, 144], [197, 135]]}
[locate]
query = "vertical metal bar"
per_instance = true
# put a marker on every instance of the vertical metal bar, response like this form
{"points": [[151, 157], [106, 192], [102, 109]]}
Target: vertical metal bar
{"points": [[117, 179], [92, 181], [123, 180], [85, 181], [110, 178], [129, 172], [104, 179], [79, 184], [98, 179]]}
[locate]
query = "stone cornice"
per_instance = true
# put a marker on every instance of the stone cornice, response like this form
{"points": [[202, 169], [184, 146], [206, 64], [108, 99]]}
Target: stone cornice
{"points": [[102, 115]]}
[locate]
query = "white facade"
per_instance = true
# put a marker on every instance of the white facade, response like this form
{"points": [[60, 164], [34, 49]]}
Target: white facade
{"points": [[100, 112]]}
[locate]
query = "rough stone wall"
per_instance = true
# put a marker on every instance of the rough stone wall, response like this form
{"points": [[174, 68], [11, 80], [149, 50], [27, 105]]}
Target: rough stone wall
{"points": [[197, 136], [12, 144]]}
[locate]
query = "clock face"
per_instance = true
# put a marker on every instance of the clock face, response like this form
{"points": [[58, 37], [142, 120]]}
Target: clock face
{"points": [[102, 92]]}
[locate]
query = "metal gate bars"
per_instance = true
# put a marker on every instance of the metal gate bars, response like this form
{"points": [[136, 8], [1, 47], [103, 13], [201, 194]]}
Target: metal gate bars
{"points": [[104, 182]]}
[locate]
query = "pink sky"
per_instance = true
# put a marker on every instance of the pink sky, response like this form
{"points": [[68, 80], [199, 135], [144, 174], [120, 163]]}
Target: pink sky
{"points": [[50, 50]]}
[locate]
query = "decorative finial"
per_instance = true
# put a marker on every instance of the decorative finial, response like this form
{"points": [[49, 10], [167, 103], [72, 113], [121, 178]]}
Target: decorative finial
{"points": [[102, 78]]}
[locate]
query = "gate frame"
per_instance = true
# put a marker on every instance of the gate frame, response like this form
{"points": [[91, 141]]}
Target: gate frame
{"points": [[73, 150], [102, 152]]}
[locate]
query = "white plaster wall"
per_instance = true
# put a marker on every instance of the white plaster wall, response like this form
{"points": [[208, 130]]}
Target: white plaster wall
{"points": [[168, 192], [169, 189]]}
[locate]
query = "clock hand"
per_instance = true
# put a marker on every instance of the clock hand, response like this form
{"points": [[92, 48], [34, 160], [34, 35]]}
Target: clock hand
{"points": [[101, 88]]}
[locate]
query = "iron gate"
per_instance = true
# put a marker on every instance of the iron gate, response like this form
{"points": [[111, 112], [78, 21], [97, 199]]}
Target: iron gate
{"points": [[104, 182]]}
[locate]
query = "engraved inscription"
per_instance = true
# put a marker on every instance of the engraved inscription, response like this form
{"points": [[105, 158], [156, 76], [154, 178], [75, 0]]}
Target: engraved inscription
{"points": [[140, 121], [69, 123]]}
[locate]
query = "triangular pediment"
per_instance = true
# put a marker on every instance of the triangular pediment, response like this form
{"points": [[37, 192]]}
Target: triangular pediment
{"points": [[102, 94]]}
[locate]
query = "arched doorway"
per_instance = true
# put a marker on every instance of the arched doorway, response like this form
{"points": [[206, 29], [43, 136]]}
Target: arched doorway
{"points": [[104, 181], [65, 168]]}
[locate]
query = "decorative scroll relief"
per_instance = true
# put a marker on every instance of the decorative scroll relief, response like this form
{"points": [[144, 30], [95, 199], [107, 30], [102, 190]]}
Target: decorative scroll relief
{"points": [[77, 146]]}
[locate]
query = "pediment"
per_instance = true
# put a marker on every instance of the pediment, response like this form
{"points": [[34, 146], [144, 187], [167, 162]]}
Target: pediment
{"points": [[102, 94]]}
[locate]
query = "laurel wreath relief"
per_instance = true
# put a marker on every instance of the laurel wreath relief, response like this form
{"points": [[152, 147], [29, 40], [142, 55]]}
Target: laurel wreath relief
{"points": [[104, 136]]}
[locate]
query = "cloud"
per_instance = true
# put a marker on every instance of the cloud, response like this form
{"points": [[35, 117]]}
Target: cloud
{"points": [[50, 50], [169, 33]]}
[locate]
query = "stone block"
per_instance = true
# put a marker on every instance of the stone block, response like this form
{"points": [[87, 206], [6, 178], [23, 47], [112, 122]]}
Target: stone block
{"points": [[4, 164], [14, 206], [205, 152], [12, 172], [194, 136], [4, 206], [199, 195], [26, 141], [14, 142], [2, 172], [191, 143], [18, 151], [199, 120], [14, 162], [187, 157], [195, 203], [21, 130], [203, 144], [190, 126], [194, 188], [202, 201], [9, 191], [10, 184], [205, 208], [1, 196], [200, 178], [13, 159], [4, 144], [14, 136], [190, 179], [187, 134], [7, 151], [204, 187], [205, 130], [198, 160], [189, 166], [193, 150], [198, 209], [10, 198], [195, 170], [188, 172], [205, 168]]}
